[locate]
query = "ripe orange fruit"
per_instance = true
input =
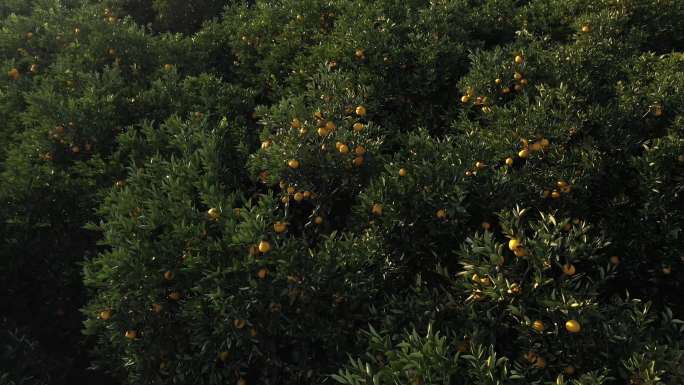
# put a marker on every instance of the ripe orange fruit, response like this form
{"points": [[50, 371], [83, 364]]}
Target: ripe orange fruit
{"points": [[360, 150], [517, 76], [357, 127], [523, 82], [322, 131], [524, 153], [465, 99], [509, 161], [293, 163], [514, 244], [298, 197], [359, 53], [13, 74], [569, 269], [34, 68], [615, 260], [505, 90], [361, 111], [377, 209], [330, 126], [520, 252], [291, 190], [239, 323], [168, 67], [29, 35], [105, 314], [264, 247], [168, 275], [518, 59], [441, 214], [538, 326], [318, 220], [280, 227], [306, 194], [544, 142], [586, 28], [213, 213], [468, 173], [262, 273], [561, 183], [343, 149], [480, 165], [131, 334], [402, 172], [534, 147], [358, 161], [265, 144], [296, 124], [174, 296], [555, 194], [573, 326]]}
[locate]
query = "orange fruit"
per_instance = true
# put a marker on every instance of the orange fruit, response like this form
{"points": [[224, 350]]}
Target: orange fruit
{"points": [[441, 214], [318, 220], [131, 334], [361, 111], [480, 165], [296, 124], [262, 273], [174, 296], [586, 28], [569, 269], [298, 197], [497, 81], [573, 326], [156, 307], [293, 163], [358, 161], [569, 370], [524, 153], [514, 244], [330, 126], [509, 161], [343, 149], [517, 76], [168, 275], [360, 150], [213, 213], [168, 67], [518, 59], [555, 194], [358, 127], [402, 172], [377, 209], [280, 227], [538, 326], [615, 260], [239, 323], [465, 99], [105, 314], [264, 247]]}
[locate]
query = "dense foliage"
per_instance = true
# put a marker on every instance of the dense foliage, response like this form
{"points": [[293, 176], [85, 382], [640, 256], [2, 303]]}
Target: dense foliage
{"points": [[356, 192]]}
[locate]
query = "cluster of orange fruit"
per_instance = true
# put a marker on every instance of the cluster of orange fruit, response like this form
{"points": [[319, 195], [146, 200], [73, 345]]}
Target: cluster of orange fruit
{"points": [[291, 191], [479, 101], [555, 193]]}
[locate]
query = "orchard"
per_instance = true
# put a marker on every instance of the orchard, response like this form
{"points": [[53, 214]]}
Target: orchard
{"points": [[342, 192]]}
